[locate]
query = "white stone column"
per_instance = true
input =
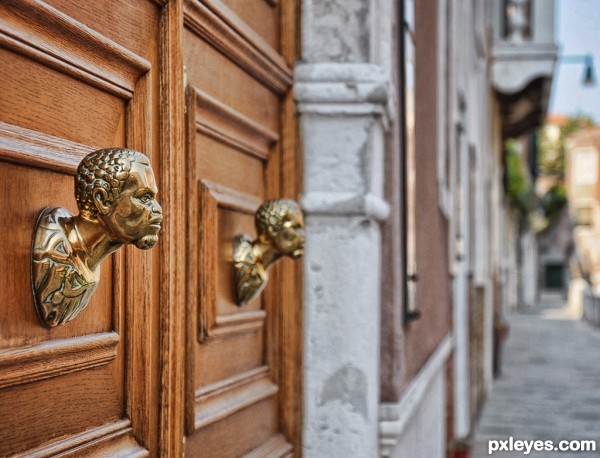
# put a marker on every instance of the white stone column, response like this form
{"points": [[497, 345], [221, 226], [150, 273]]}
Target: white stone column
{"points": [[343, 113], [343, 98]]}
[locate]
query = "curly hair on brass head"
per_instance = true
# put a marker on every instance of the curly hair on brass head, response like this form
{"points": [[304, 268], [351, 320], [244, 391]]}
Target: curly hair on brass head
{"points": [[105, 170], [272, 214]]}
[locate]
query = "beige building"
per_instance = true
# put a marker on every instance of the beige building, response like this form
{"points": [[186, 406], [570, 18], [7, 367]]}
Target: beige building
{"points": [[583, 186]]}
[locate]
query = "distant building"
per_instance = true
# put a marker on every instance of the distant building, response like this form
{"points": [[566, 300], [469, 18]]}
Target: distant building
{"points": [[555, 241], [583, 187]]}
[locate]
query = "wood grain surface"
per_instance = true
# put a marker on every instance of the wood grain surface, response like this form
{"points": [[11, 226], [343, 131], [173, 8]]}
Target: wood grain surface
{"points": [[162, 362]]}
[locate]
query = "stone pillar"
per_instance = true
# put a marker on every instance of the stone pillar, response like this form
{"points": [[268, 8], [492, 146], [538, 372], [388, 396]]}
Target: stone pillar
{"points": [[343, 101]]}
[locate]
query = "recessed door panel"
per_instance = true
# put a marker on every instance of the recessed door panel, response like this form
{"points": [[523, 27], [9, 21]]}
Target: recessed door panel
{"points": [[67, 89], [238, 85]]}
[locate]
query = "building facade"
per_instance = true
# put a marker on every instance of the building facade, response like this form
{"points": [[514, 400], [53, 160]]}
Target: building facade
{"points": [[582, 217], [409, 107], [385, 120]]}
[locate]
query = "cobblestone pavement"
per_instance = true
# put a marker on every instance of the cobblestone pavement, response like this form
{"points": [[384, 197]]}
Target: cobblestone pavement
{"points": [[550, 383]]}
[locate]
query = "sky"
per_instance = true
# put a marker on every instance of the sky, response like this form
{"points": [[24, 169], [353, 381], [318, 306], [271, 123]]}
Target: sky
{"points": [[578, 32]]}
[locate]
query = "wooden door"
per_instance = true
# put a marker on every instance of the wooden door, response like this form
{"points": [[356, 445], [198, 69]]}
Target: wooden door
{"points": [[243, 379], [161, 362], [74, 77]]}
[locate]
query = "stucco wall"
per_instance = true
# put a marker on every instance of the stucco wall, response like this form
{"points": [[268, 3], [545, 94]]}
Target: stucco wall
{"points": [[344, 100], [416, 426], [426, 434]]}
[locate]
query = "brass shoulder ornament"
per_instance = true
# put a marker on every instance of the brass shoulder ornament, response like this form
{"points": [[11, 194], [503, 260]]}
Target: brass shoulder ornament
{"points": [[115, 192]]}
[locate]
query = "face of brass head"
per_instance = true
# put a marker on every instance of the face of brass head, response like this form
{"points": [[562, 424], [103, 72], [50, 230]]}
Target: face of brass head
{"points": [[280, 229], [116, 193], [288, 238], [135, 216]]}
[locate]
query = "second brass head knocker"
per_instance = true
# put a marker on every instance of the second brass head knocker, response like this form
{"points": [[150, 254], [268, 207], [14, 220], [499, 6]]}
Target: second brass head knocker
{"points": [[116, 192], [280, 229]]}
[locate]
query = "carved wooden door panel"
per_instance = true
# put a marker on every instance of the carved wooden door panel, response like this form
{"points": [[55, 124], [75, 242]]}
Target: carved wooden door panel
{"points": [[74, 77], [162, 361], [243, 378]]}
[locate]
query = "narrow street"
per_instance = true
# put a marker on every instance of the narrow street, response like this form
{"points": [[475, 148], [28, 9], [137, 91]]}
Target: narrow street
{"points": [[550, 383]]}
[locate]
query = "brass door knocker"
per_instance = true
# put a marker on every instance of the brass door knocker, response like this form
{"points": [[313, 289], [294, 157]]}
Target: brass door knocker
{"points": [[280, 228], [116, 192]]}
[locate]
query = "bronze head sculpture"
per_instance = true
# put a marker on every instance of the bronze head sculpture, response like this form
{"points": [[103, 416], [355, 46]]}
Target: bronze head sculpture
{"points": [[116, 192], [280, 229]]}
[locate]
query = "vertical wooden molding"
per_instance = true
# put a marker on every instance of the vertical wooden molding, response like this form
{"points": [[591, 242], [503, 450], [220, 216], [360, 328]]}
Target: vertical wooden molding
{"points": [[273, 299], [172, 317], [118, 293], [290, 316], [139, 294], [208, 239], [192, 262]]}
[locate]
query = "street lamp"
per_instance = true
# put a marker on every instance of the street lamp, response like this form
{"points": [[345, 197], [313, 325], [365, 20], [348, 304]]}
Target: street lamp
{"points": [[589, 79]]}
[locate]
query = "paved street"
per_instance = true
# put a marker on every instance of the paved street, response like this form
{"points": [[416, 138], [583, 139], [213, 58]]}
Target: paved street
{"points": [[550, 383]]}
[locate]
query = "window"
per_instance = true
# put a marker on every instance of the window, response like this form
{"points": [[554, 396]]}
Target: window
{"points": [[585, 166], [408, 139], [584, 216]]}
